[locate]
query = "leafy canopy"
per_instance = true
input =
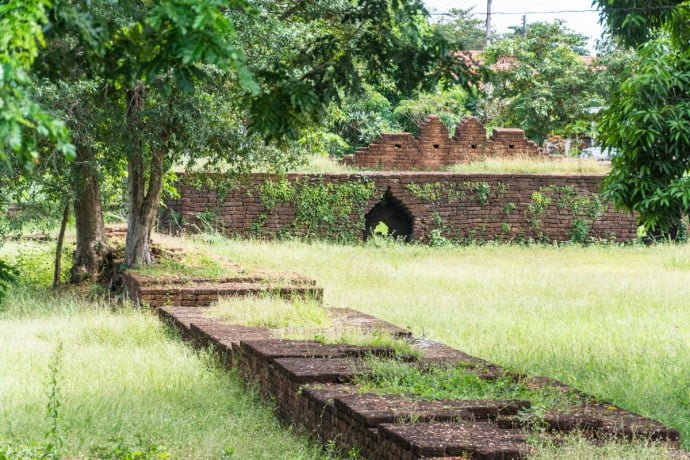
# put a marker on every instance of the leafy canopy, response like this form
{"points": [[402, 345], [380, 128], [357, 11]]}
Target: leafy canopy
{"points": [[23, 123], [648, 117], [541, 82]]}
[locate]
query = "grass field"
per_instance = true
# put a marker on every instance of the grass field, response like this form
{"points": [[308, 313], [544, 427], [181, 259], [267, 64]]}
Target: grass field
{"points": [[124, 375], [612, 321]]}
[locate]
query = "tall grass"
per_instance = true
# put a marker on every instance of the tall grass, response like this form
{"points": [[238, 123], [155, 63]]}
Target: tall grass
{"points": [[612, 321], [516, 165], [124, 375]]}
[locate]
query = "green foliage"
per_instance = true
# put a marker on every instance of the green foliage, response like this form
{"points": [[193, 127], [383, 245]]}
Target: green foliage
{"points": [[321, 209], [437, 192], [483, 190], [8, 276], [648, 122], [509, 208], [391, 376], [23, 123], [381, 229], [585, 209], [121, 449], [636, 22], [34, 266], [462, 28], [450, 105], [325, 51], [442, 192], [359, 120], [544, 87]]}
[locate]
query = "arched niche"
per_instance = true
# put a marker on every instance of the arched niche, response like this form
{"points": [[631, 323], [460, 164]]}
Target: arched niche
{"points": [[394, 214]]}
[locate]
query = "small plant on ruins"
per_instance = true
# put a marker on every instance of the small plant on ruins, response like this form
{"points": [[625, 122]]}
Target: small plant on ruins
{"points": [[401, 348], [483, 190]]}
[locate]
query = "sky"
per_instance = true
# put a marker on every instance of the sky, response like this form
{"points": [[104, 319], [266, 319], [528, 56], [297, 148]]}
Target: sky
{"points": [[586, 23]]}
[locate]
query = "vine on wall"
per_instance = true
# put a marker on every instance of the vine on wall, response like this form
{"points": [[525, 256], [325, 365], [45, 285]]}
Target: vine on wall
{"points": [[585, 209], [443, 192], [321, 209]]}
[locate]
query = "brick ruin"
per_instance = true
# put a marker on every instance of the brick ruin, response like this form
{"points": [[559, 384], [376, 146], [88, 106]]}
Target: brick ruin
{"points": [[415, 206], [434, 149], [314, 385]]}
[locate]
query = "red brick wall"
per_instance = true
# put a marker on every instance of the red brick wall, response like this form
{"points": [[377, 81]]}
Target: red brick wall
{"points": [[435, 149], [459, 207]]}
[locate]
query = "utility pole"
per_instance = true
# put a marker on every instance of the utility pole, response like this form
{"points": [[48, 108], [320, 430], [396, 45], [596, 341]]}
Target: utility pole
{"points": [[488, 20], [524, 25]]}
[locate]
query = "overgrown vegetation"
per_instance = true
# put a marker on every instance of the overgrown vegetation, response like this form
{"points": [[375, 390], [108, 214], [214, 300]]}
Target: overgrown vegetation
{"points": [[272, 312], [128, 388], [303, 319], [604, 319], [190, 265], [321, 209], [391, 376]]}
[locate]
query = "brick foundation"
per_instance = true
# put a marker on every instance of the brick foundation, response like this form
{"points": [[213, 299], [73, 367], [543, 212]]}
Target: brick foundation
{"points": [[313, 385]]}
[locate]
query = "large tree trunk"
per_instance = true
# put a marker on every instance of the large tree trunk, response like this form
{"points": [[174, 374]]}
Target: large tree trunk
{"points": [[143, 195], [92, 246], [143, 208]]}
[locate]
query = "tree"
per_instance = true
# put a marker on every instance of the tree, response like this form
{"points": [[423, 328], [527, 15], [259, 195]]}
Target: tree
{"points": [[158, 72], [541, 83], [460, 27], [23, 123], [634, 22], [648, 118]]}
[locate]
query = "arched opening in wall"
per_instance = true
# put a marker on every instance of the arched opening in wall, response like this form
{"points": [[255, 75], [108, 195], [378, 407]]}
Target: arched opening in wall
{"points": [[389, 218]]}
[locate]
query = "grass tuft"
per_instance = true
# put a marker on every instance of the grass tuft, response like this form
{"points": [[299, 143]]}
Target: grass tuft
{"points": [[272, 312]]}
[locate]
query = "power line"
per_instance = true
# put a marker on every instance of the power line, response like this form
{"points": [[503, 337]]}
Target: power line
{"points": [[622, 10]]}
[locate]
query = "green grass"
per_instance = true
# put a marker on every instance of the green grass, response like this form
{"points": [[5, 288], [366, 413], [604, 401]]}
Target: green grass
{"points": [[392, 376], [518, 165], [189, 265], [123, 375], [271, 312], [301, 319], [319, 164], [612, 321], [576, 447]]}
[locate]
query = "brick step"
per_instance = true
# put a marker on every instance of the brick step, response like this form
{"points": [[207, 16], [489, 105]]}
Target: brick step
{"points": [[375, 409], [476, 440], [599, 421], [270, 350], [321, 370], [204, 296], [148, 280]]}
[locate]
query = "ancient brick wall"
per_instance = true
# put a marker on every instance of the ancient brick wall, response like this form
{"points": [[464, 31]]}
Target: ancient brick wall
{"points": [[430, 206], [435, 149]]}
